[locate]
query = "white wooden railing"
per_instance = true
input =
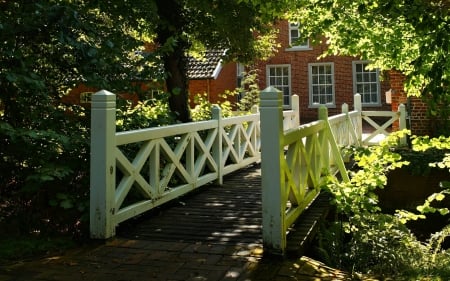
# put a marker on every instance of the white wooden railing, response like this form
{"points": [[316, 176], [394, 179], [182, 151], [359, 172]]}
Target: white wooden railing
{"points": [[135, 171], [294, 161]]}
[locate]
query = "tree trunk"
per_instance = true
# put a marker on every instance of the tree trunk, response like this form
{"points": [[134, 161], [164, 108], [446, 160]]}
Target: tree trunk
{"points": [[177, 84], [171, 25]]}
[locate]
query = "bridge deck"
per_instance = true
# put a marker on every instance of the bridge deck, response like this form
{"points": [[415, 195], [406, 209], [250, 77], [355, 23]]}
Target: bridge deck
{"points": [[227, 214], [230, 214]]}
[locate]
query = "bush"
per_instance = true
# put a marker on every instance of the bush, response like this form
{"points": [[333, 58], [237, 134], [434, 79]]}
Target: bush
{"points": [[365, 240], [202, 109], [249, 91], [46, 187]]}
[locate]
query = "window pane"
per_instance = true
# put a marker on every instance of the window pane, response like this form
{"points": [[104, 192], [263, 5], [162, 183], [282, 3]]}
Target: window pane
{"points": [[366, 83], [359, 67], [294, 35], [321, 79], [322, 87], [279, 78]]}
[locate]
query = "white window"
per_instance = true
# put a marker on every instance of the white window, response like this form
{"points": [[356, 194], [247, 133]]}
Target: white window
{"points": [[366, 83], [279, 76], [295, 40], [321, 84], [86, 97]]}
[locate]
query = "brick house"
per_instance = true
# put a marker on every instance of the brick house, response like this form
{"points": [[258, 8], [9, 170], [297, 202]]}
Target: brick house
{"points": [[334, 80], [331, 81]]}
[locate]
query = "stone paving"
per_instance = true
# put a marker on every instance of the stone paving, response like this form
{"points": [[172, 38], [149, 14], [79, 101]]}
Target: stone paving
{"points": [[128, 260], [211, 235]]}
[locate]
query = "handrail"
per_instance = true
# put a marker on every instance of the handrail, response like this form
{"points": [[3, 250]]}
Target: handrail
{"points": [[293, 164], [135, 171]]}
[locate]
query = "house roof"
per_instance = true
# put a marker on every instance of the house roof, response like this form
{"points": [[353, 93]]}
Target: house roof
{"points": [[207, 67]]}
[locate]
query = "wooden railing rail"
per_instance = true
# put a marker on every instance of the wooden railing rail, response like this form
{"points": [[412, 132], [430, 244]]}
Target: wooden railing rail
{"points": [[135, 171], [377, 129], [293, 163]]}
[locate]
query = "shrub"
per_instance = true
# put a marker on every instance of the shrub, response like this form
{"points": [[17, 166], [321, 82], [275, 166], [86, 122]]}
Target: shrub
{"points": [[249, 91], [202, 109], [365, 240]]}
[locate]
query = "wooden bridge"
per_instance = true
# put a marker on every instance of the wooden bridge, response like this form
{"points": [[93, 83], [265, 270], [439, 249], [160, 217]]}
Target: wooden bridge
{"points": [[134, 173]]}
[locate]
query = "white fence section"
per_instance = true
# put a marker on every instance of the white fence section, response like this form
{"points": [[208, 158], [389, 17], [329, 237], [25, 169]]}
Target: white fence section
{"points": [[135, 171], [294, 161]]}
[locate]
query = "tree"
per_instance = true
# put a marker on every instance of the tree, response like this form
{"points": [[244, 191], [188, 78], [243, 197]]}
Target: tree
{"points": [[183, 25], [46, 48], [412, 36]]}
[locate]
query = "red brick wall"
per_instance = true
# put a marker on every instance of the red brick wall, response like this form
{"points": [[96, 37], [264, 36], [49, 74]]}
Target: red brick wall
{"points": [[74, 96], [299, 60], [419, 122], [226, 80]]}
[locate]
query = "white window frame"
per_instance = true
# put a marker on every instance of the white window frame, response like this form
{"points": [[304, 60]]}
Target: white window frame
{"points": [[320, 81], [286, 89], [293, 27], [86, 97], [368, 82]]}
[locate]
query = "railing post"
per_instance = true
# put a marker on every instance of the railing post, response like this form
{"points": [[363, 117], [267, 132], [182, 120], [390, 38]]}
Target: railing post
{"points": [[273, 211], [103, 167], [323, 115], [296, 109], [358, 107], [402, 122], [216, 114]]}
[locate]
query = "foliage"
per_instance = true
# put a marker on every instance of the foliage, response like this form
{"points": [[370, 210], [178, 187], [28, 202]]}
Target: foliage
{"points": [[249, 91], [146, 114], [408, 36], [47, 48], [368, 241], [357, 197], [202, 109]]}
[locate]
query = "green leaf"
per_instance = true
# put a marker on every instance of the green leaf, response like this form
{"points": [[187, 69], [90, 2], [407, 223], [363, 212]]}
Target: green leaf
{"points": [[66, 204], [439, 197]]}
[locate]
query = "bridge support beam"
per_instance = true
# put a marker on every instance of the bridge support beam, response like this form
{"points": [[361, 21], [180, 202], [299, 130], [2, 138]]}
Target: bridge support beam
{"points": [[273, 211]]}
